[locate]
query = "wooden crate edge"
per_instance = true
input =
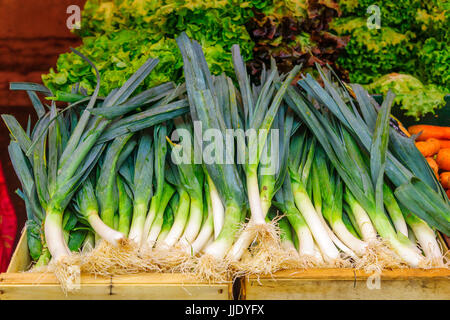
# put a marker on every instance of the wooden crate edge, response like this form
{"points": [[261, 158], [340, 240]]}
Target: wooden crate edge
{"points": [[21, 260], [354, 274], [351, 274]]}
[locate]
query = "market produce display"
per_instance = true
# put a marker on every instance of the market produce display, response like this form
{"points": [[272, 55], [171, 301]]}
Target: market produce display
{"points": [[414, 98], [434, 144], [295, 33], [119, 35], [153, 181], [410, 43], [406, 55]]}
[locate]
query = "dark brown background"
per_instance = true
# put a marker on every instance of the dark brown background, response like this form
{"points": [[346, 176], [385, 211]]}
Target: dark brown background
{"points": [[32, 35]]}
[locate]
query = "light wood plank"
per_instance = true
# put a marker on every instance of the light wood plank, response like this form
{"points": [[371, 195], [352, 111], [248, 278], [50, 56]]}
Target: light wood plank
{"points": [[352, 274], [20, 260], [349, 284], [16, 284], [143, 291], [35, 278], [303, 289], [169, 278], [52, 292]]}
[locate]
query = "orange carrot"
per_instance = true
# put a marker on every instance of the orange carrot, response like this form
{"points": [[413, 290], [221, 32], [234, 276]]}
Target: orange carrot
{"points": [[433, 166], [448, 193], [428, 148], [445, 179], [429, 131], [443, 159], [445, 143], [400, 126]]}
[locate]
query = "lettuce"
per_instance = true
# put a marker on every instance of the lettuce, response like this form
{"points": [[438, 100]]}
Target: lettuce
{"points": [[117, 55], [295, 32], [415, 98], [413, 42], [413, 39], [372, 53], [119, 35]]}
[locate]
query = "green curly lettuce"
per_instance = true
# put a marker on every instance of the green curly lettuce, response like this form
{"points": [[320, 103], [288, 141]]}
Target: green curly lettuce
{"points": [[371, 53], [412, 42], [117, 56], [414, 38], [119, 35], [415, 98], [434, 56]]}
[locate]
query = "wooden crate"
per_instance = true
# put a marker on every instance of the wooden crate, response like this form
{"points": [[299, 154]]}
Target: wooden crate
{"points": [[346, 284], [16, 284], [339, 284]]}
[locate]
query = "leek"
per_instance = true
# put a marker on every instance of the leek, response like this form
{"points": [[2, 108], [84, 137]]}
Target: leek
{"points": [[225, 176], [125, 207], [160, 146], [258, 118], [301, 154], [181, 212], [86, 204], [141, 186], [366, 187]]}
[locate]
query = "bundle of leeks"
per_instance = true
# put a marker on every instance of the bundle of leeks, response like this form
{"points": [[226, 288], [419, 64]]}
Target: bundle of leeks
{"points": [[212, 178], [59, 160]]}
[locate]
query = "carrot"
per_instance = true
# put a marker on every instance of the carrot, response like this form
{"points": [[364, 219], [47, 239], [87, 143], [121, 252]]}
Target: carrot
{"points": [[448, 193], [443, 159], [445, 143], [445, 179], [433, 166], [429, 131], [400, 126], [428, 148]]}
